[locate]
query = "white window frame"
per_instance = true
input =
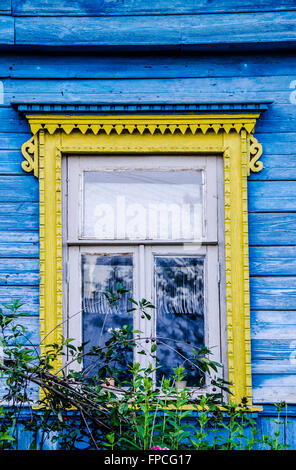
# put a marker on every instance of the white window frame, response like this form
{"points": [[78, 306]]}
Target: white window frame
{"points": [[210, 245]]}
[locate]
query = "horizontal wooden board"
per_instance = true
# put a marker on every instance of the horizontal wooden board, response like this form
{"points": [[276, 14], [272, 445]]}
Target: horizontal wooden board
{"points": [[272, 196], [275, 317], [276, 167], [19, 271], [19, 250], [19, 244], [19, 188], [269, 330], [90, 86], [10, 162], [166, 30], [273, 261], [144, 65], [273, 349], [284, 380], [11, 141], [277, 367], [20, 216], [272, 229], [11, 121], [17, 236], [139, 91], [276, 292], [29, 295], [137, 7], [6, 30], [278, 143]]}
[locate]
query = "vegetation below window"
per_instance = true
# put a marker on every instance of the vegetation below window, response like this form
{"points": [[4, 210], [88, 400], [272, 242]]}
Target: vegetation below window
{"points": [[100, 406]]}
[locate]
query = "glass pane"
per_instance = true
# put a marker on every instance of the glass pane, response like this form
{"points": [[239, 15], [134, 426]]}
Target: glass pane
{"points": [[179, 286], [100, 272], [143, 204]]}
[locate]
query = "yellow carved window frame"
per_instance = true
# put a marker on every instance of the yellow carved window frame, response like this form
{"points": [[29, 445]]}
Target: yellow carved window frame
{"points": [[230, 135]]}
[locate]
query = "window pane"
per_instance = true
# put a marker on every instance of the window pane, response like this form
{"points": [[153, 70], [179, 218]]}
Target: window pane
{"points": [[179, 286], [147, 205], [100, 272]]}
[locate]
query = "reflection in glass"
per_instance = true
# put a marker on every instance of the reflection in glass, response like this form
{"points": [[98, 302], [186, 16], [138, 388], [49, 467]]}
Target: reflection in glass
{"points": [[99, 272], [143, 204], [179, 288]]}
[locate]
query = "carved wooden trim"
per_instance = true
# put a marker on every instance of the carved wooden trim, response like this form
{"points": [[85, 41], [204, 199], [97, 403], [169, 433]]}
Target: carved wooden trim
{"points": [[227, 135]]}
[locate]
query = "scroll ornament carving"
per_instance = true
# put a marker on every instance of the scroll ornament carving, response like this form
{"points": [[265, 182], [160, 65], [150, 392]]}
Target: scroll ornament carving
{"points": [[255, 165], [30, 153]]}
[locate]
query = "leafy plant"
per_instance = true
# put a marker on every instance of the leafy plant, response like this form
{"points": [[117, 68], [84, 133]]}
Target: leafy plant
{"points": [[104, 407]]}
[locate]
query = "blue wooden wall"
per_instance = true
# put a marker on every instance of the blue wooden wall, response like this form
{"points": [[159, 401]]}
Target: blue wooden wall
{"points": [[164, 76], [122, 23]]}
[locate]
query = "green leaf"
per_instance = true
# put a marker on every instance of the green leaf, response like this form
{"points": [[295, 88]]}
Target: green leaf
{"points": [[153, 348]]}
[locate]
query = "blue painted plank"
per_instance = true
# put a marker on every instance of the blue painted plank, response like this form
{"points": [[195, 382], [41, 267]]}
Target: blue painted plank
{"points": [[135, 65], [6, 30], [10, 162], [13, 141], [21, 216], [137, 7], [16, 236], [233, 86], [276, 317], [268, 293], [273, 349], [268, 330], [274, 394], [277, 367], [29, 295], [272, 196], [156, 30], [273, 261], [276, 167], [19, 188], [284, 380], [278, 143], [19, 245], [138, 91], [272, 229], [11, 121], [19, 271], [19, 250]]}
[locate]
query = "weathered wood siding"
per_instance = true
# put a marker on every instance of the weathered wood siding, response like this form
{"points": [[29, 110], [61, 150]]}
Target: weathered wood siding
{"points": [[193, 23]]}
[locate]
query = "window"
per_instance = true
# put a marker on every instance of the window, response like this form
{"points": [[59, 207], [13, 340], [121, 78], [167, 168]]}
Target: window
{"points": [[224, 129], [153, 224]]}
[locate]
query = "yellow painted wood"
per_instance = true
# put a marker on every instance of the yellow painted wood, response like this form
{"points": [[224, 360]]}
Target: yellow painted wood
{"points": [[229, 135]]}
